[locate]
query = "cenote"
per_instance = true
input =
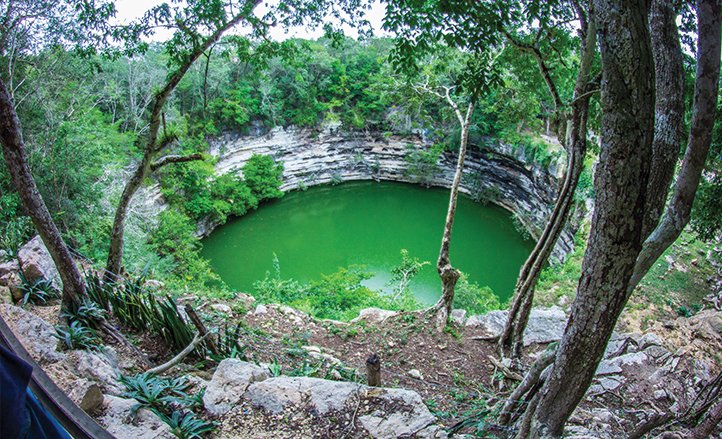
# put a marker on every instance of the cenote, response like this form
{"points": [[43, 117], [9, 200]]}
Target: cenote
{"points": [[368, 223]]}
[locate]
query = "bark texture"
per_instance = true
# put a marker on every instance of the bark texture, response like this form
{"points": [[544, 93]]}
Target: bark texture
{"points": [[448, 274], [511, 341], [669, 107], [616, 234], [677, 214], [16, 161], [154, 145]]}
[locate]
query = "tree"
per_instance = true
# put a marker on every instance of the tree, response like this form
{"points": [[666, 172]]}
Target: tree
{"points": [[187, 45], [432, 28], [28, 25], [618, 245], [184, 55], [574, 138], [17, 164], [616, 234]]}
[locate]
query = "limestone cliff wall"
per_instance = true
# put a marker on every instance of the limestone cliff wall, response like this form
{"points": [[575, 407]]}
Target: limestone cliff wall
{"points": [[312, 158]]}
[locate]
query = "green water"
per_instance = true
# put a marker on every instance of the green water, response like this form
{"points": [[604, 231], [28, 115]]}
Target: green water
{"points": [[367, 223]]}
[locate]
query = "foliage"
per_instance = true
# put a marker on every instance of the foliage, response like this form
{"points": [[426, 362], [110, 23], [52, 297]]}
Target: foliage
{"points": [[422, 164], [37, 292], [186, 425], [201, 194], [402, 274], [707, 214], [227, 343], [88, 314], [153, 392], [339, 295], [474, 298], [263, 176], [140, 309], [77, 336]]}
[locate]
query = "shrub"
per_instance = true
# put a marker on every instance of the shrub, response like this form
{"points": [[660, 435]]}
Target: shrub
{"points": [[263, 176], [473, 298], [422, 164]]}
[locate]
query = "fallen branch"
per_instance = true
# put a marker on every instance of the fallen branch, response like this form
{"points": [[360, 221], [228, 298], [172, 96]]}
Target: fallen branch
{"points": [[197, 339], [508, 373], [117, 336]]}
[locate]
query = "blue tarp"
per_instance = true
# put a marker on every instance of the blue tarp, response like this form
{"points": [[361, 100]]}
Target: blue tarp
{"points": [[21, 414]]}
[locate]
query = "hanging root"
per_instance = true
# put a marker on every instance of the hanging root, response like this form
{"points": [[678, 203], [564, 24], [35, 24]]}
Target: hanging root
{"points": [[529, 386]]}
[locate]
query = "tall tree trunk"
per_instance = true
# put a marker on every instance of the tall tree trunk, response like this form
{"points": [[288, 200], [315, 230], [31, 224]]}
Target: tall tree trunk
{"points": [[450, 275], [511, 341], [16, 161], [677, 214], [616, 235], [669, 107], [153, 146]]}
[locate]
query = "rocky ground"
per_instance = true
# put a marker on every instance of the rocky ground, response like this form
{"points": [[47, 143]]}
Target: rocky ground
{"points": [[302, 377]]}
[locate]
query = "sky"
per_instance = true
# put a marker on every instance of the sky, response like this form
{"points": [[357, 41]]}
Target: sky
{"points": [[129, 9]]}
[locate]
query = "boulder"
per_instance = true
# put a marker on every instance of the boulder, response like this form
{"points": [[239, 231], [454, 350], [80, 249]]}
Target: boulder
{"points": [[9, 267], [36, 335], [373, 315], [120, 421], [37, 263], [222, 308], [246, 299], [545, 324], [385, 413], [6, 296], [10, 279], [458, 316], [229, 382], [154, 284], [403, 414], [275, 394], [100, 367], [492, 322], [86, 394]]}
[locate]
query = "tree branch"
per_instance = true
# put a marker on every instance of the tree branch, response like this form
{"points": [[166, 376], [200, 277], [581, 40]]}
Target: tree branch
{"points": [[175, 159], [197, 339]]}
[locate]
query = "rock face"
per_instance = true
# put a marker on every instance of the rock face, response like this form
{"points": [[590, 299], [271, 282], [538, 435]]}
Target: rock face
{"points": [[10, 279], [37, 263], [545, 324], [36, 335], [123, 424], [229, 382], [411, 416], [312, 158], [391, 413], [248, 398], [374, 315], [324, 396]]}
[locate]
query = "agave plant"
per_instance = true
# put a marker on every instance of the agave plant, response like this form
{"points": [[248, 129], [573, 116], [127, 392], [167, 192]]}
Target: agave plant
{"points": [[89, 314], [77, 336], [37, 292], [155, 393], [185, 425]]}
